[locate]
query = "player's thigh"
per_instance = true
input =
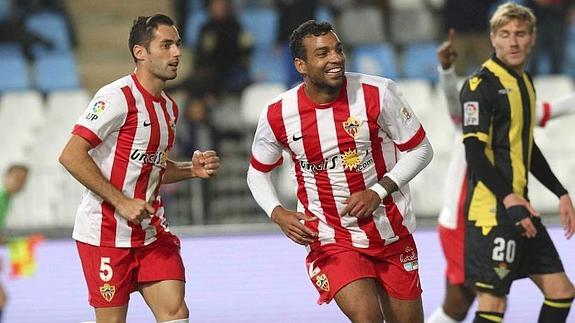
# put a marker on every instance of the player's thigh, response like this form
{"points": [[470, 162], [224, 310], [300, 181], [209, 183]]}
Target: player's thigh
{"points": [[3, 297], [399, 310], [166, 299], [161, 278], [359, 301], [111, 314], [110, 274], [493, 260], [554, 286]]}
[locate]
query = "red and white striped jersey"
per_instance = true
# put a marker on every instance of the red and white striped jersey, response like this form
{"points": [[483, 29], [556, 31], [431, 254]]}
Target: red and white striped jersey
{"points": [[340, 148], [131, 133]]}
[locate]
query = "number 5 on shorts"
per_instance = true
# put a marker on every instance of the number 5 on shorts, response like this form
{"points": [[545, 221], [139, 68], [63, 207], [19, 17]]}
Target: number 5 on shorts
{"points": [[106, 272]]}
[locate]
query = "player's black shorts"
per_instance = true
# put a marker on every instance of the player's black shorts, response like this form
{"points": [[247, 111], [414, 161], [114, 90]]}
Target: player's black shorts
{"points": [[495, 260]]}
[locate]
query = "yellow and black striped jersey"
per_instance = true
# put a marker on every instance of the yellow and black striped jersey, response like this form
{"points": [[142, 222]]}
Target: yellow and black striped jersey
{"points": [[498, 108]]}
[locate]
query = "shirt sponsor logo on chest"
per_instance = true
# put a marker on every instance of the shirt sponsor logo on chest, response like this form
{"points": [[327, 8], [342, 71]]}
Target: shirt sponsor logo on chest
{"points": [[156, 158], [352, 160]]}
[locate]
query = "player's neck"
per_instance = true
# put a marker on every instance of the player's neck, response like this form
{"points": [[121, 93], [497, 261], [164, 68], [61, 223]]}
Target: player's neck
{"points": [[321, 95], [152, 84]]}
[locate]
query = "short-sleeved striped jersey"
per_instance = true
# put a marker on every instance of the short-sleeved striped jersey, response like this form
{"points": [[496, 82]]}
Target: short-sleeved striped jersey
{"points": [[131, 133], [340, 148]]}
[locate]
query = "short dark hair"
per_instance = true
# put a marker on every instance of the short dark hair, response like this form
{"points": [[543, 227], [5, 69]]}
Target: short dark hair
{"points": [[310, 27], [16, 167], [143, 29]]}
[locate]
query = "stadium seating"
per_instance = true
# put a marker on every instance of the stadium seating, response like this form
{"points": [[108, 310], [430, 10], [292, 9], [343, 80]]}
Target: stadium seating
{"points": [[10, 50], [376, 59], [420, 61], [4, 9], [52, 27], [412, 25], [194, 24], [262, 24], [16, 68], [254, 99], [56, 71], [63, 108], [360, 25], [21, 113], [267, 65], [324, 14]]}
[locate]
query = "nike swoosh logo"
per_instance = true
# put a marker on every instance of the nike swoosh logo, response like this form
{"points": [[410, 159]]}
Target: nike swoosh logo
{"points": [[147, 123], [294, 138]]}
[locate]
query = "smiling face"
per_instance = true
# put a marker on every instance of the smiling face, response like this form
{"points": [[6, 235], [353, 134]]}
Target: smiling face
{"points": [[324, 65], [513, 42], [162, 56]]}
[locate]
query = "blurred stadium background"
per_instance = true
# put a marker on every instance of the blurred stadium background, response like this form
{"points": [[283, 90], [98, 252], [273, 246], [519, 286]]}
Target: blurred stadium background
{"points": [[41, 97]]}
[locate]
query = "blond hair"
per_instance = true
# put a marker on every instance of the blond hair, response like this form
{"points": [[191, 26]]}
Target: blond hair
{"points": [[510, 11]]}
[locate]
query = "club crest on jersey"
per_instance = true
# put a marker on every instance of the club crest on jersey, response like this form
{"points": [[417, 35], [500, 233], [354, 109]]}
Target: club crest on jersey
{"points": [[322, 282], [108, 291], [97, 108], [471, 113], [501, 270], [406, 114], [351, 126], [172, 123]]}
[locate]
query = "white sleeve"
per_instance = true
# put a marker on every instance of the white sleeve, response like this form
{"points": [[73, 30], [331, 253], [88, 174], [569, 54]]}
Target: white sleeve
{"points": [[105, 114], [546, 111], [411, 163], [448, 84], [398, 120], [263, 190], [266, 150]]}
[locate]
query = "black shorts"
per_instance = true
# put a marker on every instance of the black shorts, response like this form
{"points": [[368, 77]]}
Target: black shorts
{"points": [[495, 260]]}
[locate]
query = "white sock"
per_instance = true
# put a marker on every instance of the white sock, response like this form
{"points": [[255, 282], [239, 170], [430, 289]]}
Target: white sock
{"points": [[439, 316], [186, 320]]}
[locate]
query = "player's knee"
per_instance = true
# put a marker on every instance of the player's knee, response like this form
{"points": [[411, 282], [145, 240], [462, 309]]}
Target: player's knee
{"points": [[564, 290], [177, 310], [366, 316], [457, 313], [186, 320]]}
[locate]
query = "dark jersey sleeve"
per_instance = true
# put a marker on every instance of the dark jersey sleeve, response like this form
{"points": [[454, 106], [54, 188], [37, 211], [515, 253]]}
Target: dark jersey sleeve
{"points": [[541, 170], [476, 108]]}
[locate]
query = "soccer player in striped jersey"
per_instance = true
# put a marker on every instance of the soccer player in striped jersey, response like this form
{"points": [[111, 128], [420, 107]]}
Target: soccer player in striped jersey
{"points": [[458, 296], [355, 143], [119, 151]]}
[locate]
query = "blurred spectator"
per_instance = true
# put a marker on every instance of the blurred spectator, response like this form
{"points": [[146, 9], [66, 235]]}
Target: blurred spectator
{"points": [[553, 18], [26, 8], [292, 13], [13, 182], [220, 64], [470, 20], [13, 32]]}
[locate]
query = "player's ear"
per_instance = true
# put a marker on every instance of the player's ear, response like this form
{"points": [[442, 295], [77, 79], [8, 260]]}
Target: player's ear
{"points": [[139, 52], [300, 65]]}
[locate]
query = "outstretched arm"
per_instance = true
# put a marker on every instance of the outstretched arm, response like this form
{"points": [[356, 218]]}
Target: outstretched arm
{"points": [[554, 109], [447, 56]]}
